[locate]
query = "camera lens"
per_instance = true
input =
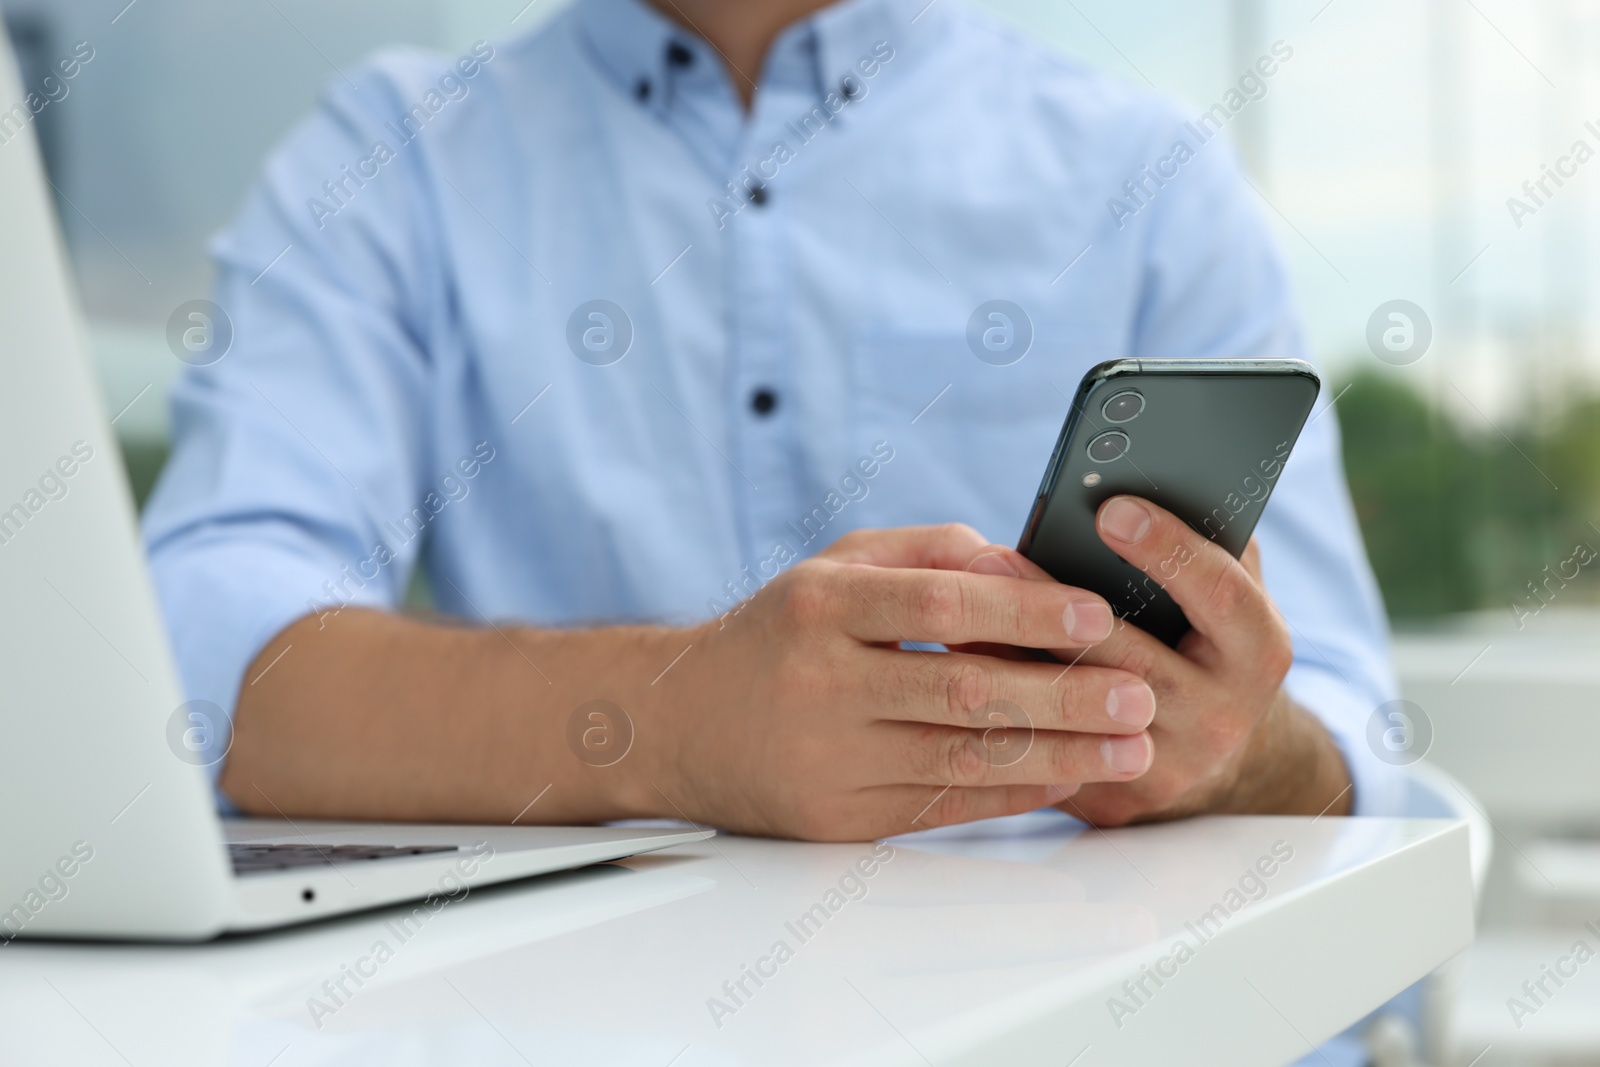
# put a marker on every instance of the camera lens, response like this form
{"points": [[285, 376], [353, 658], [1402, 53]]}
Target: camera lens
{"points": [[1124, 407], [1113, 444]]}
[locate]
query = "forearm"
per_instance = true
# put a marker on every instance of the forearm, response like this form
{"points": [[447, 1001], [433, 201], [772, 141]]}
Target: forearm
{"points": [[372, 715]]}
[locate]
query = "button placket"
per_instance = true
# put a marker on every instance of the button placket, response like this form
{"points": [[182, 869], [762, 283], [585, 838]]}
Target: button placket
{"points": [[762, 360]]}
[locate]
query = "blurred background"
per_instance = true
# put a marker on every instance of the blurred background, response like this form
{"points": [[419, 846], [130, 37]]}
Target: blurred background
{"points": [[1405, 152], [1385, 151]]}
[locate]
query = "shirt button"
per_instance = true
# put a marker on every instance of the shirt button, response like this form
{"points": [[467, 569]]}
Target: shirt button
{"points": [[763, 402], [758, 193], [642, 90], [678, 54]]}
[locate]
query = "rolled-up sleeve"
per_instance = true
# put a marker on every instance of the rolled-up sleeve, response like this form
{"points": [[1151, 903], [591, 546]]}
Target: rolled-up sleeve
{"points": [[293, 451], [1216, 285]]}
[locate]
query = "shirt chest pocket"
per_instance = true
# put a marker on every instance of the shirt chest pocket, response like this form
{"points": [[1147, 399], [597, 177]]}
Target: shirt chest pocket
{"points": [[970, 438]]}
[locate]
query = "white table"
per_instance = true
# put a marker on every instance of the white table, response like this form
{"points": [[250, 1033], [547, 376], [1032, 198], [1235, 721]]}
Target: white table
{"points": [[997, 943]]}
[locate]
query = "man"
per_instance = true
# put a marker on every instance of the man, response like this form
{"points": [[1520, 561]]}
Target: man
{"points": [[645, 336]]}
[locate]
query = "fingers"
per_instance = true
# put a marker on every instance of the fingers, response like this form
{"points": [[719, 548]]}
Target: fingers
{"points": [[879, 811], [1007, 755], [1128, 648], [1214, 590], [977, 692], [948, 547], [1251, 561], [952, 607], [1007, 562], [925, 807]]}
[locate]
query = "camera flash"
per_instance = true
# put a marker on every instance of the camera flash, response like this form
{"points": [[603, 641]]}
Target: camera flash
{"points": [[1092, 479]]}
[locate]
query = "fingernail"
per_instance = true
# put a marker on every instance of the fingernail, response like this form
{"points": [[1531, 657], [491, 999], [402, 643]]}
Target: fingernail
{"points": [[1087, 620], [1133, 703], [1126, 520], [994, 563], [1126, 755]]}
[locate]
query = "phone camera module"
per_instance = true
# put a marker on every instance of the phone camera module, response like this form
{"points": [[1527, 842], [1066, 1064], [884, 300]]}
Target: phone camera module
{"points": [[1124, 407], [1111, 445]]}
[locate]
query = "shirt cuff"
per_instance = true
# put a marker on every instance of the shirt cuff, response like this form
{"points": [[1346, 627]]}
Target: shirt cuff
{"points": [[226, 593], [1378, 787]]}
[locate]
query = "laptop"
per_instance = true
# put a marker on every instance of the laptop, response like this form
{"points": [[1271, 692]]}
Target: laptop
{"points": [[108, 826]]}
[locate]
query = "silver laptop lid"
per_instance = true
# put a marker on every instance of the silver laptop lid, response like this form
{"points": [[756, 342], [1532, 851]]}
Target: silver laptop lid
{"points": [[104, 830]]}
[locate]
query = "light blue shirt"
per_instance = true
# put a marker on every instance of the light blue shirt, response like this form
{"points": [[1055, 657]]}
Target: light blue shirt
{"points": [[560, 323]]}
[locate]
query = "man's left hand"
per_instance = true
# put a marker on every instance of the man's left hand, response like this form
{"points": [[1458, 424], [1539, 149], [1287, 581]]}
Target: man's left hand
{"points": [[1227, 737]]}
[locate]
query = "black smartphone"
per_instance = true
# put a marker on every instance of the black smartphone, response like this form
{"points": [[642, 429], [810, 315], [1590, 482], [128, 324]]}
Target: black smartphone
{"points": [[1206, 439]]}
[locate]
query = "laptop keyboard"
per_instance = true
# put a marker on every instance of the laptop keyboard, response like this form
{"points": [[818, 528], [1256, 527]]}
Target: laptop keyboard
{"points": [[253, 858]]}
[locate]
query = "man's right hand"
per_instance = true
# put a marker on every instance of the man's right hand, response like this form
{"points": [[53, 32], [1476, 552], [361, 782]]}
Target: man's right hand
{"points": [[802, 716], [799, 715]]}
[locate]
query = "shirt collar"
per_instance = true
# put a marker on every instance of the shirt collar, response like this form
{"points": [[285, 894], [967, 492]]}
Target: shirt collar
{"points": [[855, 35], [644, 52], [633, 43]]}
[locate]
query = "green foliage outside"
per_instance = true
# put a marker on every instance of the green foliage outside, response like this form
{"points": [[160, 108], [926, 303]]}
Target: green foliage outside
{"points": [[1460, 521], [143, 461], [1454, 521]]}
